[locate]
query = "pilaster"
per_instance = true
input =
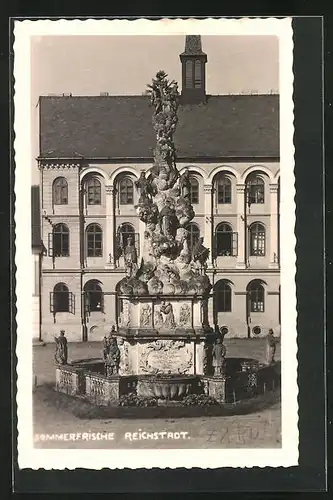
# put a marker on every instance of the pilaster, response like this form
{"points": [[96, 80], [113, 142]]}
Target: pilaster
{"points": [[208, 240], [274, 250], [241, 257], [110, 232]]}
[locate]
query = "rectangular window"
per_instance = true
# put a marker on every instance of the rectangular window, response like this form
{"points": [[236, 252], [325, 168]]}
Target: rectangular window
{"points": [[126, 197], [256, 193], [224, 194], [94, 245], [61, 244], [226, 244], [94, 301], [257, 305], [62, 301], [194, 193], [258, 244], [225, 305], [94, 195]]}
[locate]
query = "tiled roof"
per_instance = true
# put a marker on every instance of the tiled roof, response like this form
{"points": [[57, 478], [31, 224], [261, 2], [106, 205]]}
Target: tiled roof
{"points": [[121, 127]]}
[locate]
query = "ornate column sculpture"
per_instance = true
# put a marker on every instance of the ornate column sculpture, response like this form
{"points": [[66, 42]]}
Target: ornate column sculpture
{"points": [[274, 227], [242, 234]]}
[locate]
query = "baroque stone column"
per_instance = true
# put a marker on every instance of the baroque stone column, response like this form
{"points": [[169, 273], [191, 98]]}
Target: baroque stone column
{"points": [[110, 229], [241, 258], [274, 241], [208, 240]]}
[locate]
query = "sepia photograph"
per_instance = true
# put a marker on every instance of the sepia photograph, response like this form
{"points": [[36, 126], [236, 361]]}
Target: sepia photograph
{"points": [[159, 169]]}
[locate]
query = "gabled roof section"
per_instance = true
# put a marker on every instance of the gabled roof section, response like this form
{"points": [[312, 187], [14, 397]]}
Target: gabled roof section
{"points": [[121, 127]]}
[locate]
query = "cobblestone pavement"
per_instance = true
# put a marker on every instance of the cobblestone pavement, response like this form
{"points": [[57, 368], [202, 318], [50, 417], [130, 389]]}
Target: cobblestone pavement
{"points": [[258, 430]]}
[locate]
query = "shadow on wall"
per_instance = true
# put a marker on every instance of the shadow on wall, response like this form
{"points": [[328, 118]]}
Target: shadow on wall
{"points": [[35, 217]]}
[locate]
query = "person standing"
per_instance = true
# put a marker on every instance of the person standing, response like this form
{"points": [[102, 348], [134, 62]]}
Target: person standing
{"points": [[270, 347], [61, 355]]}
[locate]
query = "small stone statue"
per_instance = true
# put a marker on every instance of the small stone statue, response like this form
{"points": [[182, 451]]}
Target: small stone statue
{"points": [[146, 313], [167, 310], [107, 342], [158, 319], [130, 256], [223, 332], [270, 347], [143, 185], [112, 358], [61, 353], [168, 219], [200, 253], [219, 352], [185, 315], [185, 185]]}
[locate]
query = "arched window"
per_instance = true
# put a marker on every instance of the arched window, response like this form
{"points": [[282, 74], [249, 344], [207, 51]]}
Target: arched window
{"points": [[256, 296], [94, 191], [61, 298], [94, 241], [194, 234], [60, 191], [226, 241], [223, 190], [126, 196], [124, 231], [189, 74], [222, 296], [60, 238], [93, 296], [194, 190], [197, 74], [257, 240], [255, 190]]}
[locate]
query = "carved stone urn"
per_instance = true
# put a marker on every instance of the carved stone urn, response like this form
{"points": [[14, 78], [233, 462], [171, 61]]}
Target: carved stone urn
{"points": [[167, 387]]}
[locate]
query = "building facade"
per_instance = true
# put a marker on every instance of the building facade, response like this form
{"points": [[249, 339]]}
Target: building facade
{"points": [[92, 151]]}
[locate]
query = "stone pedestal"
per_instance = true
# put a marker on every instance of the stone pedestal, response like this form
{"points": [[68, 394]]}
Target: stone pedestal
{"points": [[215, 387], [68, 380], [162, 314], [101, 390]]}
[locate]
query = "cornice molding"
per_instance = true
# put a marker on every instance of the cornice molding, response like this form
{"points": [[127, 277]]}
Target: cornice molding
{"points": [[46, 165]]}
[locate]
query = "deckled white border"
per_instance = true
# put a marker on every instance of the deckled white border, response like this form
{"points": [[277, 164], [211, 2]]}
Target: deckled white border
{"points": [[28, 456]]}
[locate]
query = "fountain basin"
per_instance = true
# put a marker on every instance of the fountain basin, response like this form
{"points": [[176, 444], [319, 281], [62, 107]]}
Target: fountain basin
{"points": [[168, 387]]}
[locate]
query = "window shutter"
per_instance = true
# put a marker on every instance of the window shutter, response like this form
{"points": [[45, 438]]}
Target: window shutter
{"points": [[71, 302], [137, 243], [235, 244], [215, 246], [102, 302], [50, 245], [52, 310]]}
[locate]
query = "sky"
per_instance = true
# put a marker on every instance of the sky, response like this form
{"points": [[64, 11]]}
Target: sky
{"points": [[124, 65]]}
